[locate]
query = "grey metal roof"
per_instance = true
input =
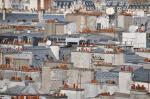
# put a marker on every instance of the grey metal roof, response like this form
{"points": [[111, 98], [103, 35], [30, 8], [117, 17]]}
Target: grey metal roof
{"points": [[98, 50], [13, 17], [40, 54], [21, 34], [22, 90], [133, 58], [139, 74], [54, 16], [142, 75], [105, 76], [15, 90], [118, 69]]}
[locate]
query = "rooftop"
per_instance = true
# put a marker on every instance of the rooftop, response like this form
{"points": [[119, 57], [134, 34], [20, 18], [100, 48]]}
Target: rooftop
{"points": [[142, 75]]}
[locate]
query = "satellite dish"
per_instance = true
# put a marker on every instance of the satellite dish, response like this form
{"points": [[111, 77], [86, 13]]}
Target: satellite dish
{"points": [[110, 11], [28, 31], [48, 43], [69, 32], [43, 28]]}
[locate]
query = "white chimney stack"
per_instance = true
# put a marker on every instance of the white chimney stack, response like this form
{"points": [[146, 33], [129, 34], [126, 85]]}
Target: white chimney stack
{"points": [[125, 79]]}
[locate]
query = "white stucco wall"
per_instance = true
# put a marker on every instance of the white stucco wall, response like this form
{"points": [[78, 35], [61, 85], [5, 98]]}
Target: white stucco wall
{"points": [[104, 21], [137, 40], [81, 59], [33, 4], [124, 82]]}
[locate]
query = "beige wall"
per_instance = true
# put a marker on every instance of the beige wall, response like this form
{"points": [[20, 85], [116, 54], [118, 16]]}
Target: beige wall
{"points": [[81, 59], [79, 75], [45, 79], [20, 62], [128, 22], [74, 18], [59, 29], [49, 82], [81, 21], [50, 29], [124, 22], [54, 29]]}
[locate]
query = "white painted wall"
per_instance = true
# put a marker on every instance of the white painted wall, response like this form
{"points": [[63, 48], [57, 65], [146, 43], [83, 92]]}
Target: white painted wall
{"points": [[112, 89], [120, 21], [57, 74], [72, 94], [137, 40], [91, 89], [140, 40], [115, 59], [82, 76], [55, 50], [1, 4], [23, 55], [125, 82], [7, 4], [91, 22], [33, 4], [140, 13], [70, 28], [104, 21], [81, 59]]}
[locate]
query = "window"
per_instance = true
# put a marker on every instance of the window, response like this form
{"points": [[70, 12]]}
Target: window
{"points": [[7, 60], [98, 26], [58, 4], [26, 7], [69, 5], [62, 4], [148, 36]]}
